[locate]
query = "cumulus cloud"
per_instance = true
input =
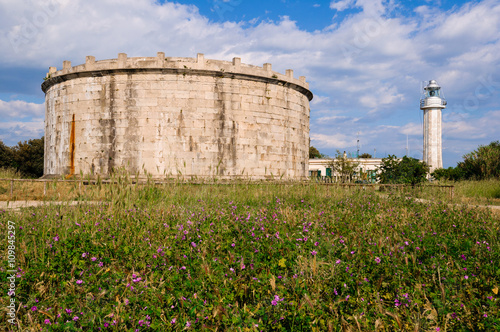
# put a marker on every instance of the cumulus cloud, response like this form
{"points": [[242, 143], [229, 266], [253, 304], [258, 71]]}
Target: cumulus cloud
{"points": [[18, 109]]}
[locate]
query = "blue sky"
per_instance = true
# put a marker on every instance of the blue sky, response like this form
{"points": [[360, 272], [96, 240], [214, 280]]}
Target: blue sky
{"points": [[364, 59]]}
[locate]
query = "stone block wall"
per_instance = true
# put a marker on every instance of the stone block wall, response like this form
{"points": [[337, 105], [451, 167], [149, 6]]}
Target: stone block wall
{"points": [[176, 117]]}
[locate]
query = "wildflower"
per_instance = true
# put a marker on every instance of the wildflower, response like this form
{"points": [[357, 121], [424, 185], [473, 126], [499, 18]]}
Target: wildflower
{"points": [[485, 315], [101, 264], [84, 255], [47, 321], [75, 318], [79, 282], [233, 245], [314, 252], [338, 261], [188, 324], [34, 308], [466, 277], [68, 311], [377, 260], [316, 243], [56, 238], [173, 321], [193, 244], [94, 259]]}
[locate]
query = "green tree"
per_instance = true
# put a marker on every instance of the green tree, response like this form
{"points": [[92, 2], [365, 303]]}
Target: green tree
{"points": [[365, 155], [482, 163], [343, 166], [28, 157], [450, 173], [314, 153], [406, 170], [5, 155]]}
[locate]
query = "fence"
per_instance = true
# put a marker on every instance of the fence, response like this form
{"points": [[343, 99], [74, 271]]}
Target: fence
{"points": [[78, 187]]}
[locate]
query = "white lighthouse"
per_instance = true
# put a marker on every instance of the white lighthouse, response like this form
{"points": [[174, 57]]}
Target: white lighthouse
{"points": [[432, 103]]}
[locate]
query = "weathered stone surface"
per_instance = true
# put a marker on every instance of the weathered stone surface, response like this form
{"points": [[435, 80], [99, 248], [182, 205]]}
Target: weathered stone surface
{"points": [[172, 116]]}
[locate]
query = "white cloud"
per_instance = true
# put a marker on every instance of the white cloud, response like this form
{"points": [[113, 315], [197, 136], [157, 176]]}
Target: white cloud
{"points": [[16, 109], [341, 5], [330, 141]]}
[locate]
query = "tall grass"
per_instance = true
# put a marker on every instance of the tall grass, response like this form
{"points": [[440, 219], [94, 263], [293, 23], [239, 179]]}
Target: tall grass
{"points": [[487, 189], [252, 257]]}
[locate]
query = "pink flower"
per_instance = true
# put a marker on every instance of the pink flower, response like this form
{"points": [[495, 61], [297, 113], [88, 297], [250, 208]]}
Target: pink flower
{"points": [[314, 252], [47, 322], [34, 308], [79, 282], [466, 277], [173, 321], [377, 260]]}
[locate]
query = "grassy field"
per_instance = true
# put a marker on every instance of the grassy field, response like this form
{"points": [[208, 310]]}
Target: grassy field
{"points": [[252, 257]]}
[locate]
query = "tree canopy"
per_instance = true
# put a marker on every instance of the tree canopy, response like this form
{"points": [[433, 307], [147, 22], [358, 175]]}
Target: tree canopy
{"points": [[343, 166], [482, 163], [314, 153], [25, 157]]}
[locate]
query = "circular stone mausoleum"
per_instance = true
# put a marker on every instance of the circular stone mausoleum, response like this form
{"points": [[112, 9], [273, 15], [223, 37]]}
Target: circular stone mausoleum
{"points": [[188, 117]]}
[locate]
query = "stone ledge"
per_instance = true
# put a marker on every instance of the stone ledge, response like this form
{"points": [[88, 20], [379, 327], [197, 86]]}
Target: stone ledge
{"points": [[183, 66]]}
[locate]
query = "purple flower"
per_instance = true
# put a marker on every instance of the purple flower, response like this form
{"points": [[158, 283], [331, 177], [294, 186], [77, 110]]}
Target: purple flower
{"points": [[193, 244], [68, 311], [79, 282], [93, 259], [84, 255], [377, 260], [233, 245], [34, 308], [173, 321], [47, 322], [314, 252], [466, 277], [75, 318], [56, 238]]}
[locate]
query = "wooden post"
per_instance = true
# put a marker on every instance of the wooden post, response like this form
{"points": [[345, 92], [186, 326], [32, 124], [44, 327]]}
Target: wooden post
{"points": [[44, 188], [11, 188]]}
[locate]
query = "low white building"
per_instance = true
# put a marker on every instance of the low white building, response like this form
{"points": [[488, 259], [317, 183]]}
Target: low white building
{"points": [[367, 168]]}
